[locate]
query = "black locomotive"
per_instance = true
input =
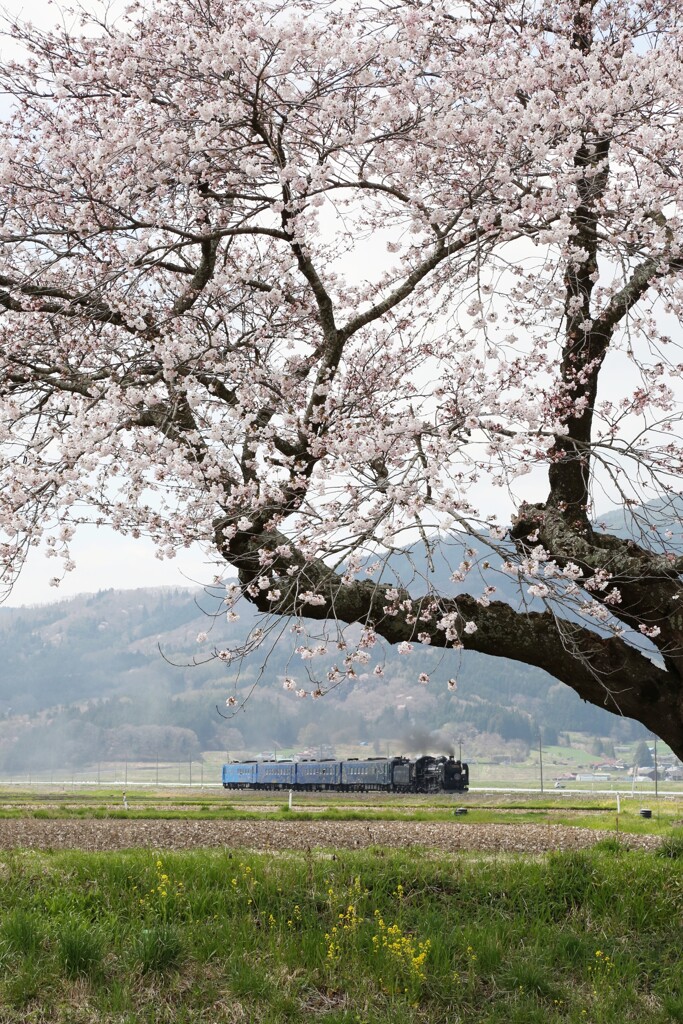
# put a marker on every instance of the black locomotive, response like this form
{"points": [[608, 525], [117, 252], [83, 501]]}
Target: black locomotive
{"points": [[388, 774]]}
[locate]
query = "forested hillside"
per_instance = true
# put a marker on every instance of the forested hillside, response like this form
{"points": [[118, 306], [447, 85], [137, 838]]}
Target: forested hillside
{"points": [[119, 674]]}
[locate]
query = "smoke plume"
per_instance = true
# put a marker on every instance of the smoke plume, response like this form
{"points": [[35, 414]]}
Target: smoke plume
{"points": [[420, 741]]}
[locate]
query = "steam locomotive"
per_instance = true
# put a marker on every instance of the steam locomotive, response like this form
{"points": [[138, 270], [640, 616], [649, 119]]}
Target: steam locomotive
{"points": [[388, 774]]}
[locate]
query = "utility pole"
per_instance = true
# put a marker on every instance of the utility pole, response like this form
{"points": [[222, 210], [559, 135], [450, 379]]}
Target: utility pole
{"points": [[540, 755], [656, 772]]}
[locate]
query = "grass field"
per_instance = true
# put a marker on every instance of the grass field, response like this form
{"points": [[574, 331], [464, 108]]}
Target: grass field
{"points": [[357, 938], [598, 812]]}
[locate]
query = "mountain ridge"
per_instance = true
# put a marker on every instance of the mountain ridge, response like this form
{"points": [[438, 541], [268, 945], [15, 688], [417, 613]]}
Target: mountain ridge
{"points": [[97, 672]]}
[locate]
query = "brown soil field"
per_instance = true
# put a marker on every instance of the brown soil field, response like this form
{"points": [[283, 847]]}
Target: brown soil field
{"points": [[29, 833]]}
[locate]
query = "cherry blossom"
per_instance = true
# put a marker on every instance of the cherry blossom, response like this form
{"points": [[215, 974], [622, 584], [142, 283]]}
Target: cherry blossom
{"points": [[320, 285]]}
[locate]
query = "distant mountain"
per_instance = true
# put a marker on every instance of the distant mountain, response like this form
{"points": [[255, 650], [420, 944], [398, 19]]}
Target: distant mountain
{"points": [[96, 645], [657, 526], [121, 674]]}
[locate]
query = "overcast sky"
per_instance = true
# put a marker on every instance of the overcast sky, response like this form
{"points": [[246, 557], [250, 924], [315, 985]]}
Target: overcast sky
{"points": [[103, 558]]}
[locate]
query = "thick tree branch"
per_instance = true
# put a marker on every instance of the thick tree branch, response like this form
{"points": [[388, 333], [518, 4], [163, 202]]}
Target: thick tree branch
{"points": [[606, 671]]}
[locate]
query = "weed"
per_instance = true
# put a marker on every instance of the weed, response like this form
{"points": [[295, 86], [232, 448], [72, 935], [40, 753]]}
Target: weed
{"points": [[671, 847], [344, 908], [532, 977], [21, 932], [25, 985], [570, 879], [610, 845], [80, 949], [165, 899], [674, 1008], [158, 948], [404, 957]]}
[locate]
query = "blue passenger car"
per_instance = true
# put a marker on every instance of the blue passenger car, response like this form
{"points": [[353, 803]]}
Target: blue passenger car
{"points": [[240, 774], [276, 774], [375, 773], [318, 774]]}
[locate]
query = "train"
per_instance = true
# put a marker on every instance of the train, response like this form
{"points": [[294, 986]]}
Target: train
{"points": [[427, 774]]}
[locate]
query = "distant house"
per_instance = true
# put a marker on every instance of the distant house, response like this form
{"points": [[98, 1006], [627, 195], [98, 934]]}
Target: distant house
{"points": [[648, 774]]}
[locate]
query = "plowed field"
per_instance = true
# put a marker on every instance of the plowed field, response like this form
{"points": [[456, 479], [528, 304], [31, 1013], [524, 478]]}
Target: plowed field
{"points": [[30, 833]]}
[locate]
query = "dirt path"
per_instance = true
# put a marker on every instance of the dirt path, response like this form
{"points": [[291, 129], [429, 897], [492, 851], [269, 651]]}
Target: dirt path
{"points": [[29, 833]]}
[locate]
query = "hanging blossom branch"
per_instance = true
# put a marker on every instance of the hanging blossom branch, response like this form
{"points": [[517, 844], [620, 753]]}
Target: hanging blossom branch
{"points": [[310, 285]]}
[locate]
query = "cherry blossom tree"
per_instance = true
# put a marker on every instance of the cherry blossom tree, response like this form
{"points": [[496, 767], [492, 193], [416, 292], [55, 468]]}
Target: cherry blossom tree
{"points": [[319, 283]]}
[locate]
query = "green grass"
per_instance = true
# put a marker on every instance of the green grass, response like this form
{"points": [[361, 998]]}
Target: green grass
{"points": [[158, 948], [79, 948], [368, 937], [578, 811]]}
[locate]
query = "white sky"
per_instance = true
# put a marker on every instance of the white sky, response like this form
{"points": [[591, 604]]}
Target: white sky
{"points": [[103, 558]]}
